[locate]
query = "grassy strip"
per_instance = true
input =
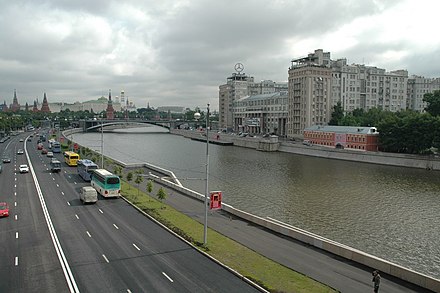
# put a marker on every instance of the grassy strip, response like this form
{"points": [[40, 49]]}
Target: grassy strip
{"points": [[267, 273]]}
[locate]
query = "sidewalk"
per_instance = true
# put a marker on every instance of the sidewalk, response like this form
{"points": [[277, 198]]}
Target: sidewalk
{"points": [[332, 270]]}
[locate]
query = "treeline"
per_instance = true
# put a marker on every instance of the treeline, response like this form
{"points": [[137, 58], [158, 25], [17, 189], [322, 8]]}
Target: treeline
{"points": [[399, 132]]}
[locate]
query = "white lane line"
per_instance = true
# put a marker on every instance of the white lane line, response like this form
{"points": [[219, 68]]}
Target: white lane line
{"points": [[68, 203], [75, 182], [128, 291], [67, 176], [16, 217], [58, 185], [76, 216], [15, 203], [62, 193], [15, 185], [105, 258], [171, 280], [47, 169], [89, 234], [16, 261], [15, 193], [16, 235], [53, 179], [117, 228], [136, 247], [100, 211], [15, 178], [65, 172]]}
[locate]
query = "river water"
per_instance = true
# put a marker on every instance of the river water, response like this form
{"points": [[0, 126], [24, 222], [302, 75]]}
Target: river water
{"points": [[390, 212]]}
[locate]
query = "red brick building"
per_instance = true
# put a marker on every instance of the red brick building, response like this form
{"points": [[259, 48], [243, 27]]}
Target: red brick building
{"points": [[344, 137]]}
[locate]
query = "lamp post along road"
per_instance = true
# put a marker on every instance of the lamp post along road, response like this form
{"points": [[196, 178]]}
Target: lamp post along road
{"points": [[205, 234], [205, 230]]}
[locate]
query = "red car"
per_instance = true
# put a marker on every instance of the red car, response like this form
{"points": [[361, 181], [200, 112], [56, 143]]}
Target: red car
{"points": [[39, 146], [4, 209], [44, 151]]}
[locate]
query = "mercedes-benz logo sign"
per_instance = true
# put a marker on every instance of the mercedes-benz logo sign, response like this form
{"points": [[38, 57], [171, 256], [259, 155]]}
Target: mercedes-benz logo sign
{"points": [[239, 67]]}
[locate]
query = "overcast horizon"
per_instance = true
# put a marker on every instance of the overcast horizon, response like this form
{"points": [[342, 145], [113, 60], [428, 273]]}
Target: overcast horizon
{"points": [[177, 53]]}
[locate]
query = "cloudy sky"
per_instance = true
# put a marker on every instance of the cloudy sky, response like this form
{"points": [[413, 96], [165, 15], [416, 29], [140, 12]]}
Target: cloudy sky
{"points": [[178, 52]]}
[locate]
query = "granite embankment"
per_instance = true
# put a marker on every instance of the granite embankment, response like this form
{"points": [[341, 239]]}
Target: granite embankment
{"points": [[400, 160]]}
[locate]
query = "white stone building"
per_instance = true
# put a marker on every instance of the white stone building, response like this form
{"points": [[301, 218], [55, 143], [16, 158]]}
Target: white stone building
{"points": [[261, 114]]}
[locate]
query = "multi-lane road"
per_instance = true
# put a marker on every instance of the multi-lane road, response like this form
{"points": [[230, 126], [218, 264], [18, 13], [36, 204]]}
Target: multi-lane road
{"points": [[51, 242]]}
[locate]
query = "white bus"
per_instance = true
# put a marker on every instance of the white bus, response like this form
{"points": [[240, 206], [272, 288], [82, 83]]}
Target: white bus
{"points": [[106, 183]]}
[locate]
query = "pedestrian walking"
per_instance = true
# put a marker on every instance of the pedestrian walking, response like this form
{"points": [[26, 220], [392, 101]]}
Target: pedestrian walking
{"points": [[376, 281]]}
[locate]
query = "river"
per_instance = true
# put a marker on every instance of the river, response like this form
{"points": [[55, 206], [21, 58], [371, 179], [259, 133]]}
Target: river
{"points": [[390, 212]]}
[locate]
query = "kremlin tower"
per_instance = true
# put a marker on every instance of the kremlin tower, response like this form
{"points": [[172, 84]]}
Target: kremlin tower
{"points": [[15, 105], [45, 106], [110, 111]]}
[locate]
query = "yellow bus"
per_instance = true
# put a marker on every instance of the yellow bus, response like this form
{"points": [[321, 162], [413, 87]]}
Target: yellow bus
{"points": [[71, 158]]}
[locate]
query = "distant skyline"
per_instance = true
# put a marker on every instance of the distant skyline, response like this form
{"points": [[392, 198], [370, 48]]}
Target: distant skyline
{"points": [[178, 52]]}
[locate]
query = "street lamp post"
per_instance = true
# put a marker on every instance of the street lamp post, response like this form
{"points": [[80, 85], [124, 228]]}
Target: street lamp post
{"points": [[205, 230]]}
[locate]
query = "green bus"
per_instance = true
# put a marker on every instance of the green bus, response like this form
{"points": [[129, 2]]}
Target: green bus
{"points": [[106, 183]]}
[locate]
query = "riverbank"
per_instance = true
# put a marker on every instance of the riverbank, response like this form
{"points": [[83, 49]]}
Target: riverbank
{"points": [[390, 159]]}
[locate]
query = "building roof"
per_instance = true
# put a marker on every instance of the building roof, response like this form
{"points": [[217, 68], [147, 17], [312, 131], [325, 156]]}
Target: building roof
{"points": [[344, 129]]}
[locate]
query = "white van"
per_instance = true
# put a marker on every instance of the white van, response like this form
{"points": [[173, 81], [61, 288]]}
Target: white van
{"points": [[88, 194]]}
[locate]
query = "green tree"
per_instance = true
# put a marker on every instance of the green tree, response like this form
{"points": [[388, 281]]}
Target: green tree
{"points": [[433, 103], [150, 186], [161, 194], [337, 114], [129, 178], [138, 181]]}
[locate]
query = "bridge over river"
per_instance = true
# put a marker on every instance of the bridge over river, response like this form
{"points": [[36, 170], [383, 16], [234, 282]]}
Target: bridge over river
{"points": [[108, 124]]}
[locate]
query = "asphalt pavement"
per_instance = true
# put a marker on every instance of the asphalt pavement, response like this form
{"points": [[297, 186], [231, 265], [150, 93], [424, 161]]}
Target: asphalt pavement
{"points": [[339, 273]]}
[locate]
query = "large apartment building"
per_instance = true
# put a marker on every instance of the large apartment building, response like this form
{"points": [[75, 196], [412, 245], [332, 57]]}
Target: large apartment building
{"points": [[309, 93], [418, 86], [358, 86]]}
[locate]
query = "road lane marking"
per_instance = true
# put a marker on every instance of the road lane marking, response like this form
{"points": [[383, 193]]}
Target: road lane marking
{"points": [[76, 216], [67, 176], [171, 280], [128, 291], [75, 182], [15, 185], [53, 179], [62, 193], [105, 258], [89, 234], [16, 235], [58, 185], [16, 217], [47, 169], [16, 261], [15, 178], [100, 211], [136, 247], [116, 226], [15, 193], [15, 203], [68, 203]]}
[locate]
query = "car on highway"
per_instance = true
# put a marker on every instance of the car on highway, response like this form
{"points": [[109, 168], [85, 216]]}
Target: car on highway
{"points": [[6, 159], [20, 152], [4, 209], [24, 169], [39, 146], [49, 154], [43, 151]]}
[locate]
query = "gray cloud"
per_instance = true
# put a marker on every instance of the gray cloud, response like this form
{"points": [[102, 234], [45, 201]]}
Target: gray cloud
{"points": [[174, 52]]}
